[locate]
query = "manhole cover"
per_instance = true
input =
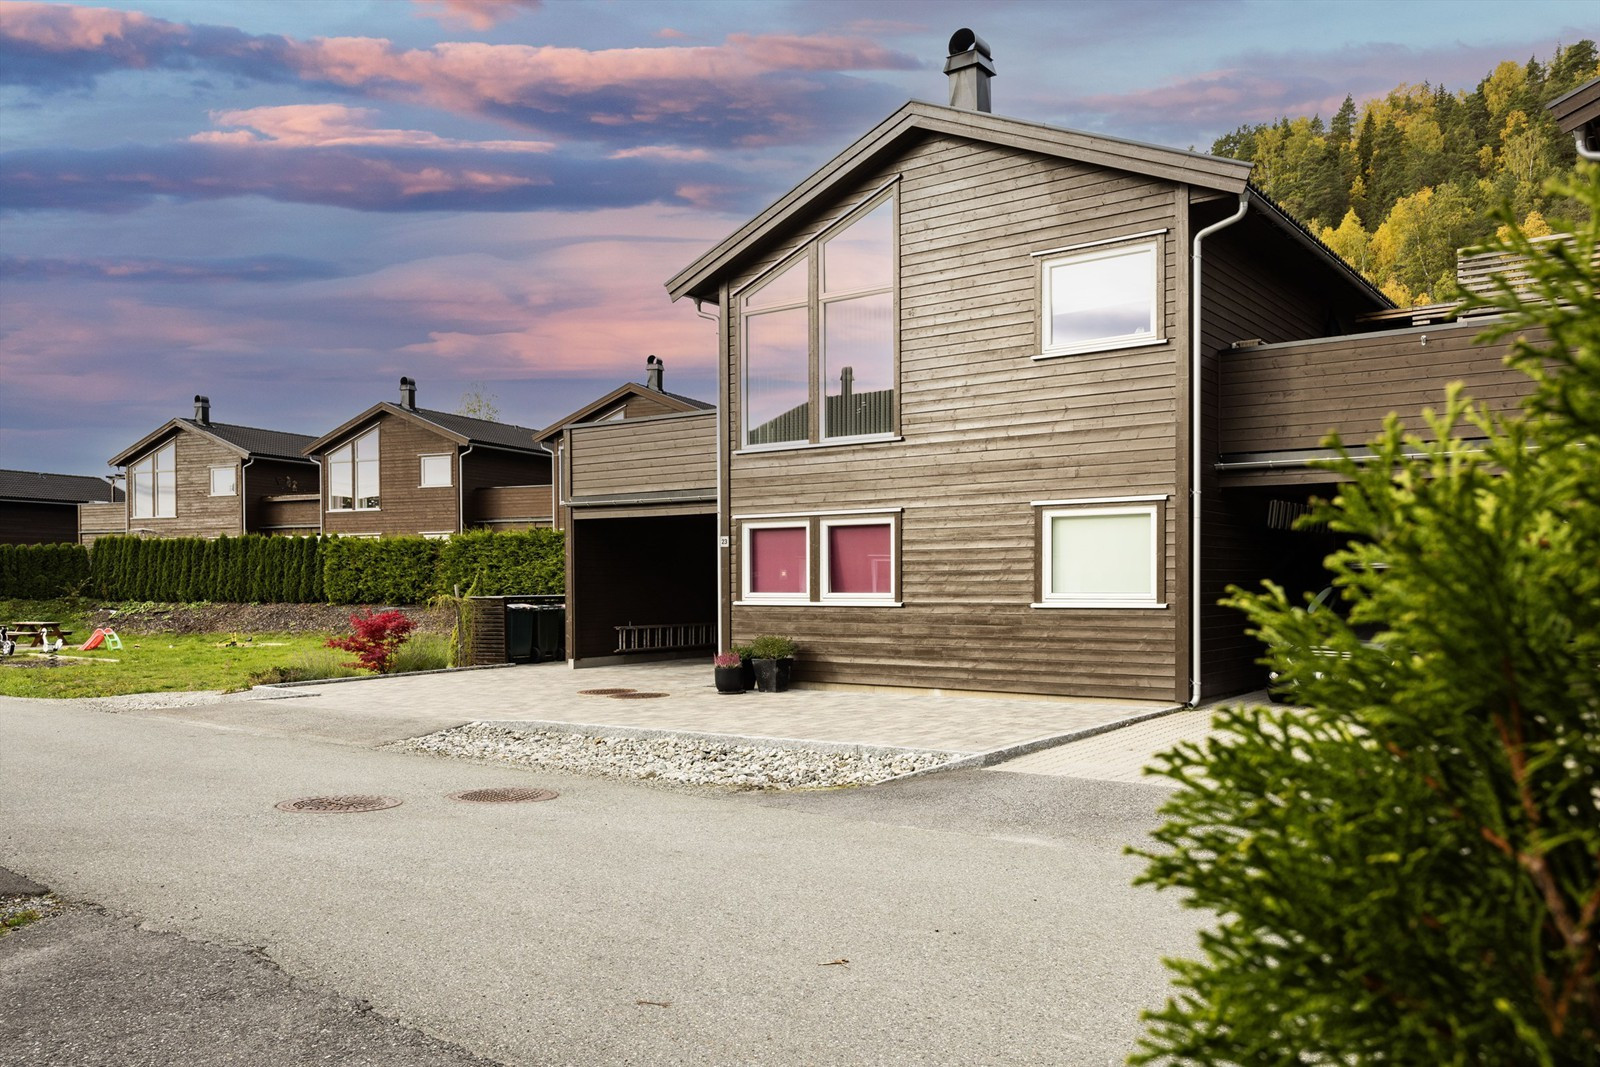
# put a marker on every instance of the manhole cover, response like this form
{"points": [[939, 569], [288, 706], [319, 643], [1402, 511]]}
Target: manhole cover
{"points": [[603, 692], [505, 795], [631, 695], [330, 805]]}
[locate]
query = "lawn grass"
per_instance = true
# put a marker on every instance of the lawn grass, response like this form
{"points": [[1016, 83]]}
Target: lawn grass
{"points": [[154, 663]]}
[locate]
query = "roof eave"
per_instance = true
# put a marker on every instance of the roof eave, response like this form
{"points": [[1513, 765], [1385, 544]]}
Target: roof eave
{"points": [[147, 442], [384, 407], [700, 279]]}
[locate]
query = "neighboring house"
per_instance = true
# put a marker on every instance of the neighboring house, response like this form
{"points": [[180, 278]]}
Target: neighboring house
{"points": [[43, 508], [628, 401], [199, 478], [1005, 407], [397, 470]]}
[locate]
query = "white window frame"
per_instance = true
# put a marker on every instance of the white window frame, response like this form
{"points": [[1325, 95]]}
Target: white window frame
{"points": [[746, 594], [442, 535], [1099, 251], [159, 475], [422, 473], [348, 458], [231, 470], [887, 600], [1049, 598]]}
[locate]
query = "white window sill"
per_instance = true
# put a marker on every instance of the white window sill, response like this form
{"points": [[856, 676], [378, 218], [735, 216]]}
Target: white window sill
{"points": [[443, 485], [350, 511], [861, 602], [1136, 605], [832, 442], [774, 603], [819, 603], [1111, 345]]}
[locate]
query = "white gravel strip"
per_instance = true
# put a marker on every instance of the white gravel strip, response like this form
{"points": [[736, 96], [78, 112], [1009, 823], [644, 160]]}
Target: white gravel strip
{"points": [[680, 760]]}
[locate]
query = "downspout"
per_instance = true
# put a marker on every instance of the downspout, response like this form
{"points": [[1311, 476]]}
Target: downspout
{"points": [[322, 498], [1584, 152], [722, 410], [461, 489], [244, 523], [1196, 568]]}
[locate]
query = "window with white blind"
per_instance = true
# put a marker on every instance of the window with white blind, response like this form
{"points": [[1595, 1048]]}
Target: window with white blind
{"points": [[353, 475]]}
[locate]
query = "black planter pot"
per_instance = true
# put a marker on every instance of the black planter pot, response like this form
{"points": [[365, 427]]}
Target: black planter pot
{"points": [[772, 675], [747, 671], [730, 679]]}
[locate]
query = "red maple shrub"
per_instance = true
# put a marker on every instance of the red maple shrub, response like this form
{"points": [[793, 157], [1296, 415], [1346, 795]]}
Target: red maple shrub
{"points": [[376, 639]]}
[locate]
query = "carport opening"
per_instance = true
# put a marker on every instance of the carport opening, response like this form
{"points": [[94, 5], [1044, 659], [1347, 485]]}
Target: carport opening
{"points": [[653, 576]]}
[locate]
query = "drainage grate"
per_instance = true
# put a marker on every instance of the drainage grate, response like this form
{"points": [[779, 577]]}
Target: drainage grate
{"points": [[331, 805], [631, 695], [603, 692], [504, 795]]}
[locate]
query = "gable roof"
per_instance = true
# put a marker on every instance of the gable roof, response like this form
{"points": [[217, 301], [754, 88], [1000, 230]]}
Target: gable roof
{"points": [[247, 442], [623, 392], [461, 429], [35, 487], [915, 119]]}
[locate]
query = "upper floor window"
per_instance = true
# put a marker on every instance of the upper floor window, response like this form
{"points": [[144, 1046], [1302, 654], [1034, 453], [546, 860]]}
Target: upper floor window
{"points": [[353, 475], [435, 471], [224, 481], [1104, 296], [819, 339], [153, 484]]}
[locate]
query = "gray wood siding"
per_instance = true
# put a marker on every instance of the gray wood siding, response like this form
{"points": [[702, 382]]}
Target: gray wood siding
{"points": [[986, 429], [666, 455], [1290, 396], [294, 514], [404, 507], [510, 507], [198, 513], [101, 520]]}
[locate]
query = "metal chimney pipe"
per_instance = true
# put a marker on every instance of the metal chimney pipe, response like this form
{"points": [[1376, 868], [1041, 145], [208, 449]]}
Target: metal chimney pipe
{"points": [[653, 368], [202, 410], [970, 67], [408, 394]]}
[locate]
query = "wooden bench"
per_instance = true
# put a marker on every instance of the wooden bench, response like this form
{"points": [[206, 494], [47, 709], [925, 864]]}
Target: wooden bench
{"points": [[666, 637]]}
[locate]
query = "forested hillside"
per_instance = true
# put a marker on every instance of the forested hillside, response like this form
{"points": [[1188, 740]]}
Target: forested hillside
{"points": [[1397, 185]]}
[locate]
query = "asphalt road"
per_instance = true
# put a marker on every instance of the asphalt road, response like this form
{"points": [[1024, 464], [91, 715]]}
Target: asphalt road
{"points": [[986, 918]]}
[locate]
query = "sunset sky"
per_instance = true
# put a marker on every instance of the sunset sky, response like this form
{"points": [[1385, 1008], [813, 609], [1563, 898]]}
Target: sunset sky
{"points": [[288, 204]]}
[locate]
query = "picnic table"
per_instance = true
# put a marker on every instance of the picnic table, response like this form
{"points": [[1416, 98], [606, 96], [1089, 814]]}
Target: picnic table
{"points": [[43, 632]]}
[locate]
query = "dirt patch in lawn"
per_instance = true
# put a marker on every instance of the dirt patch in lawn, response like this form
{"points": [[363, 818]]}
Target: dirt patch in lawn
{"points": [[254, 618]]}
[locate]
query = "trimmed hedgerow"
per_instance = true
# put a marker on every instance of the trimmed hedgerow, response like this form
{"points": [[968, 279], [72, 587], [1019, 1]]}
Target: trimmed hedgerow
{"points": [[504, 564], [40, 572], [248, 569], [390, 570]]}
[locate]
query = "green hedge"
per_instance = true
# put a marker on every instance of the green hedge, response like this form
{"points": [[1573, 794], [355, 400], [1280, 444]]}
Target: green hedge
{"points": [[504, 564], [390, 570], [291, 570], [248, 569], [41, 572]]}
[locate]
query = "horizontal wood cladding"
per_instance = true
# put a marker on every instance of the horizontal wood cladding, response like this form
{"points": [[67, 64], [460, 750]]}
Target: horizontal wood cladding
{"points": [[101, 520], [510, 507], [197, 512], [985, 429], [293, 514], [644, 456], [405, 508], [1290, 396], [484, 468], [281, 497], [27, 523]]}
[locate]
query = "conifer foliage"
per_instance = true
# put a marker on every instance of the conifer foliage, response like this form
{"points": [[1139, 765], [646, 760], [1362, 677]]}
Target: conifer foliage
{"points": [[1397, 185], [1407, 869]]}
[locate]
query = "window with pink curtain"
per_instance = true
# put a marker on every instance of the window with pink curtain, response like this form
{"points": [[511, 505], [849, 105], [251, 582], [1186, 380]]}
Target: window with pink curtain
{"points": [[860, 558], [778, 559]]}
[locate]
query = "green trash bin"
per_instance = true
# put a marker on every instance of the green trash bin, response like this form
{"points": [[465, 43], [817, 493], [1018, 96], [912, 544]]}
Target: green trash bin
{"points": [[519, 634], [536, 629]]}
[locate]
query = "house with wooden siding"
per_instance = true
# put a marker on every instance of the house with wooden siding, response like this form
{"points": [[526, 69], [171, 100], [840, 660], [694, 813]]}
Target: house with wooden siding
{"points": [[200, 478], [630, 400], [400, 470], [38, 508]]}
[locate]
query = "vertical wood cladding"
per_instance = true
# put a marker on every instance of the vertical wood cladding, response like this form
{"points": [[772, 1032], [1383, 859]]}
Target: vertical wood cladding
{"points": [[986, 430], [405, 508], [197, 512], [38, 523], [674, 454]]}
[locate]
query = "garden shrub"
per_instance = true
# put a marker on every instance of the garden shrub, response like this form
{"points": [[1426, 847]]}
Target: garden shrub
{"points": [[376, 640], [1406, 870], [504, 564], [389, 570], [41, 572]]}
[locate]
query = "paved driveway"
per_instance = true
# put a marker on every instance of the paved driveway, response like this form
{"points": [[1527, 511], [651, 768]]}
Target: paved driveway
{"points": [[986, 918]]}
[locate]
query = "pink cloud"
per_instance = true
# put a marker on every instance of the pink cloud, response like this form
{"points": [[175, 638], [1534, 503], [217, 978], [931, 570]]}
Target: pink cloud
{"points": [[66, 28], [671, 153], [324, 125], [479, 14]]}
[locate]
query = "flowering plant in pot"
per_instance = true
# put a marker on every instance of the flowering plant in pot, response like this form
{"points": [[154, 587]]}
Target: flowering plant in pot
{"points": [[730, 672], [774, 662]]}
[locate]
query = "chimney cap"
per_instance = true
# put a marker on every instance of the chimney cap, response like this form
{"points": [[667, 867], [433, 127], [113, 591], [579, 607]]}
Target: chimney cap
{"points": [[964, 40]]}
